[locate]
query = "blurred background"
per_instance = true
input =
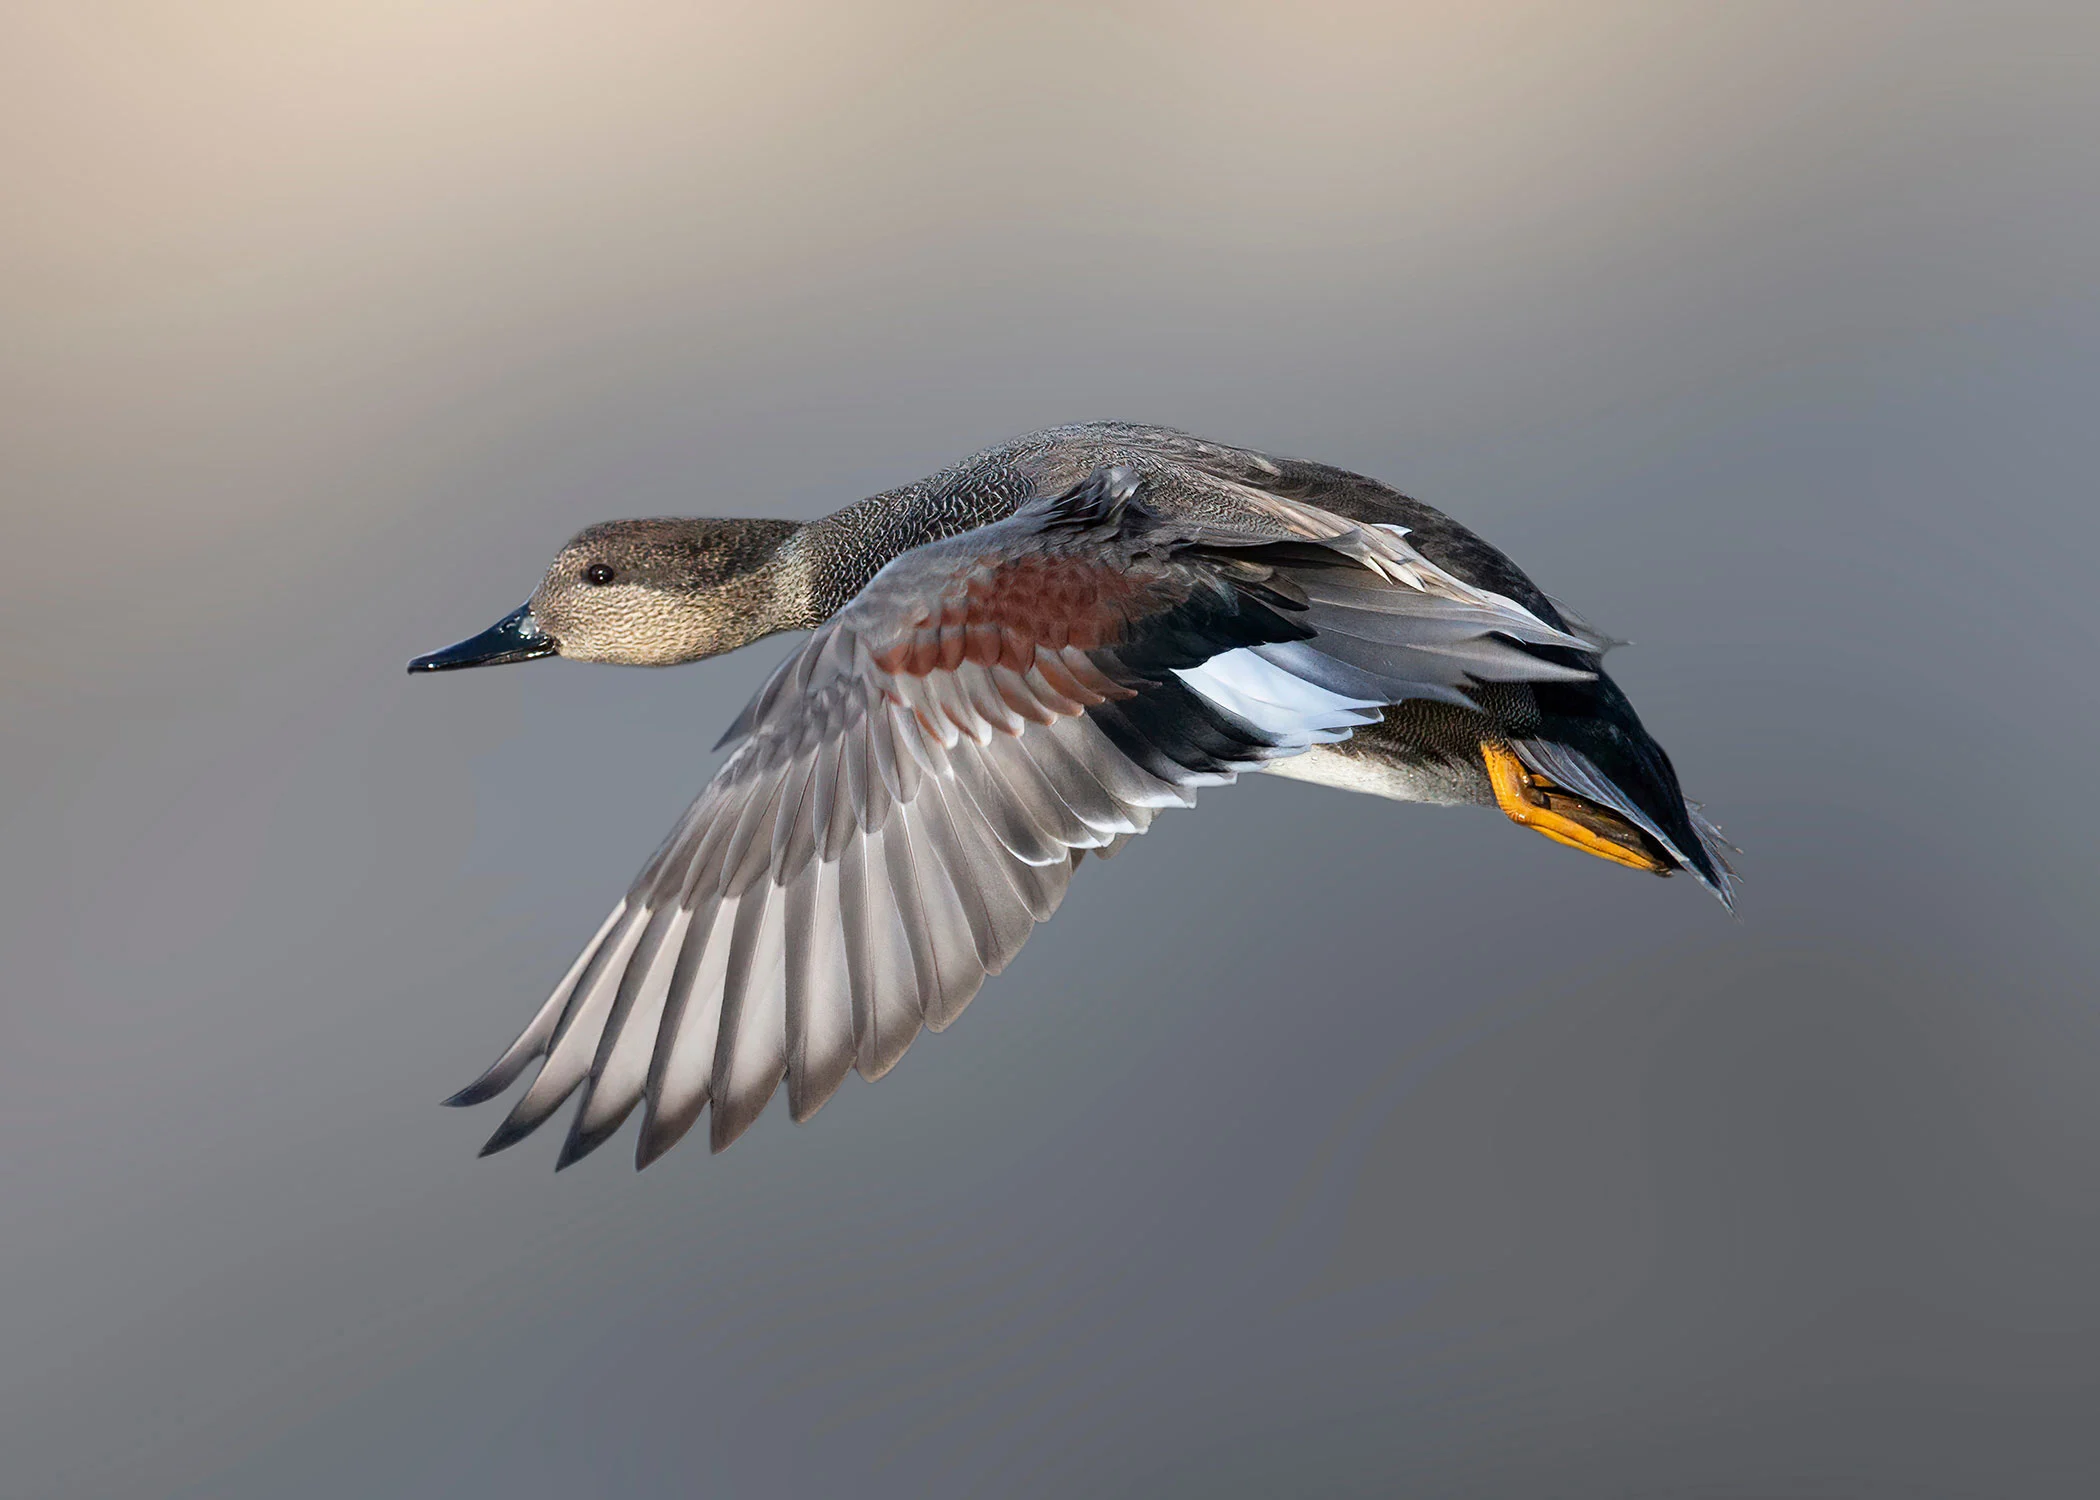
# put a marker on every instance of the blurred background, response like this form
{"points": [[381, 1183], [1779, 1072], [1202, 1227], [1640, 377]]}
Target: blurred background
{"points": [[1320, 1146]]}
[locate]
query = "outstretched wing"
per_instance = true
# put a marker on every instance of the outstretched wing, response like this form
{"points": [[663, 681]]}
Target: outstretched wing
{"points": [[915, 786]]}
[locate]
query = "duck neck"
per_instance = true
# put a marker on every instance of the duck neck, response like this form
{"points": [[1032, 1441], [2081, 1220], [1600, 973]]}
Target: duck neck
{"points": [[832, 559]]}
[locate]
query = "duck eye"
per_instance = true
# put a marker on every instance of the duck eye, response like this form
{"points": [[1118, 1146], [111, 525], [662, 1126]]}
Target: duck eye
{"points": [[598, 573]]}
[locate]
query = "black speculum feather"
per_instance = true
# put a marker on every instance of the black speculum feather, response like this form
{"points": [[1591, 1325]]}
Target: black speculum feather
{"points": [[1168, 728]]}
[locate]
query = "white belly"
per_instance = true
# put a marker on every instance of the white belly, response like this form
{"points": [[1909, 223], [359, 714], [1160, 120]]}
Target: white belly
{"points": [[1325, 766]]}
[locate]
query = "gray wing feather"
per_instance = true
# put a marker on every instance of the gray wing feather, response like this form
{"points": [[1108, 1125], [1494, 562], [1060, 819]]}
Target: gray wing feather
{"points": [[1597, 640], [820, 1027], [751, 1043], [895, 1010], [621, 1067], [575, 1040], [681, 1066], [533, 1041]]}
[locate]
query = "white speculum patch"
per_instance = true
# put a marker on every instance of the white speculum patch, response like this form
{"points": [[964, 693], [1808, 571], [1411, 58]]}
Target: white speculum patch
{"points": [[1298, 712]]}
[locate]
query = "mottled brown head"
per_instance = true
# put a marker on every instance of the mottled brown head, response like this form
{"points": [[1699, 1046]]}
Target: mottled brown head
{"points": [[652, 593]]}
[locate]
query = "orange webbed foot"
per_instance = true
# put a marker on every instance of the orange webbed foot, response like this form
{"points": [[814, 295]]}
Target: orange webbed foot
{"points": [[1531, 801]]}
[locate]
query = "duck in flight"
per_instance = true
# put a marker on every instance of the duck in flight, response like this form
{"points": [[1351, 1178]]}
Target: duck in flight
{"points": [[1015, 662]]}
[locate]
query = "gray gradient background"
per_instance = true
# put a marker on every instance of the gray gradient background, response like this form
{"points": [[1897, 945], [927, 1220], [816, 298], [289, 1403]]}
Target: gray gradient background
{"points": [[1319, 1145]]}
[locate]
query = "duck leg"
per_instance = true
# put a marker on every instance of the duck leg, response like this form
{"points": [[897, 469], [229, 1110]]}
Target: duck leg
{"points": [[1531, 801]]}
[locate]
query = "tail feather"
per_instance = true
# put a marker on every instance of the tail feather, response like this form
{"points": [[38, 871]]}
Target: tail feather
{"points": [[1591, 742]]}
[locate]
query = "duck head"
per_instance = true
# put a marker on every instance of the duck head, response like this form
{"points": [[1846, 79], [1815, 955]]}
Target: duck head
{"points": [[650, 594]]}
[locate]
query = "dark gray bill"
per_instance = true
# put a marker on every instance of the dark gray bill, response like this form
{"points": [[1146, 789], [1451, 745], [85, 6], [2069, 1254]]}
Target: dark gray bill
{"points": [[515, 637]]}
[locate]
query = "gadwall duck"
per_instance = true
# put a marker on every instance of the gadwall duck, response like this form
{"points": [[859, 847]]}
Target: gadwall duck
{"points": [[1015, 661]]}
